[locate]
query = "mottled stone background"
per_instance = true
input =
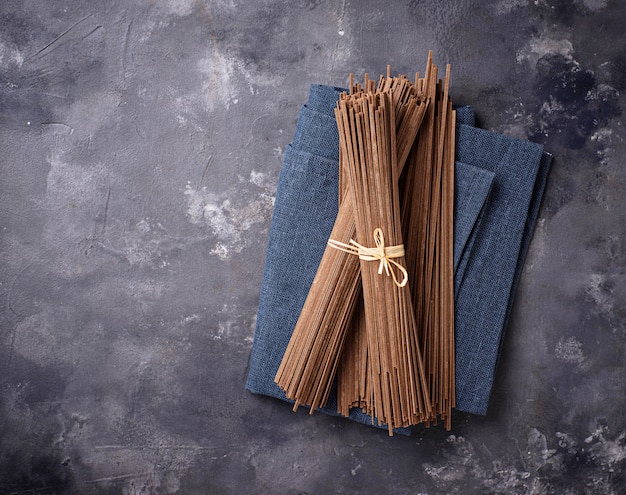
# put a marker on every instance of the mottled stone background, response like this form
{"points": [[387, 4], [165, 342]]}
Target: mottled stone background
{"points": [[140, 145]]}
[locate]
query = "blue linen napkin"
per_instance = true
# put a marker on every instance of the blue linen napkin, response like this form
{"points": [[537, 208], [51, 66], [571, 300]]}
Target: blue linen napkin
{"points": [[499, 182], [486, 284]]}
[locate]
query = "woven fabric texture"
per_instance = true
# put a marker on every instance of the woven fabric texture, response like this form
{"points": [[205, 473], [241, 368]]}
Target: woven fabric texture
{"points": [[499, 182], [486, 288]]}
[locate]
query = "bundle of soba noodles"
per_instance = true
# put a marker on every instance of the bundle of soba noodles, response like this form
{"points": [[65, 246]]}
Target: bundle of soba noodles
{"points": [[379, 316]]}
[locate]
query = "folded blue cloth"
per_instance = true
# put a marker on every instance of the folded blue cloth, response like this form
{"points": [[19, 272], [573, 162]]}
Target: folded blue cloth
{"points": [[499, 183], [486, 283]]}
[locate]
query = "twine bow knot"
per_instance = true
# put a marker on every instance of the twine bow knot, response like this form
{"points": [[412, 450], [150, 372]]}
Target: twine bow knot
{"points": [[383, 254]]}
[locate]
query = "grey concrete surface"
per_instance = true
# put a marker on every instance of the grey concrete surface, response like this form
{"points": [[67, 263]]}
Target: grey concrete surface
{"points": [[140, 145]]}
